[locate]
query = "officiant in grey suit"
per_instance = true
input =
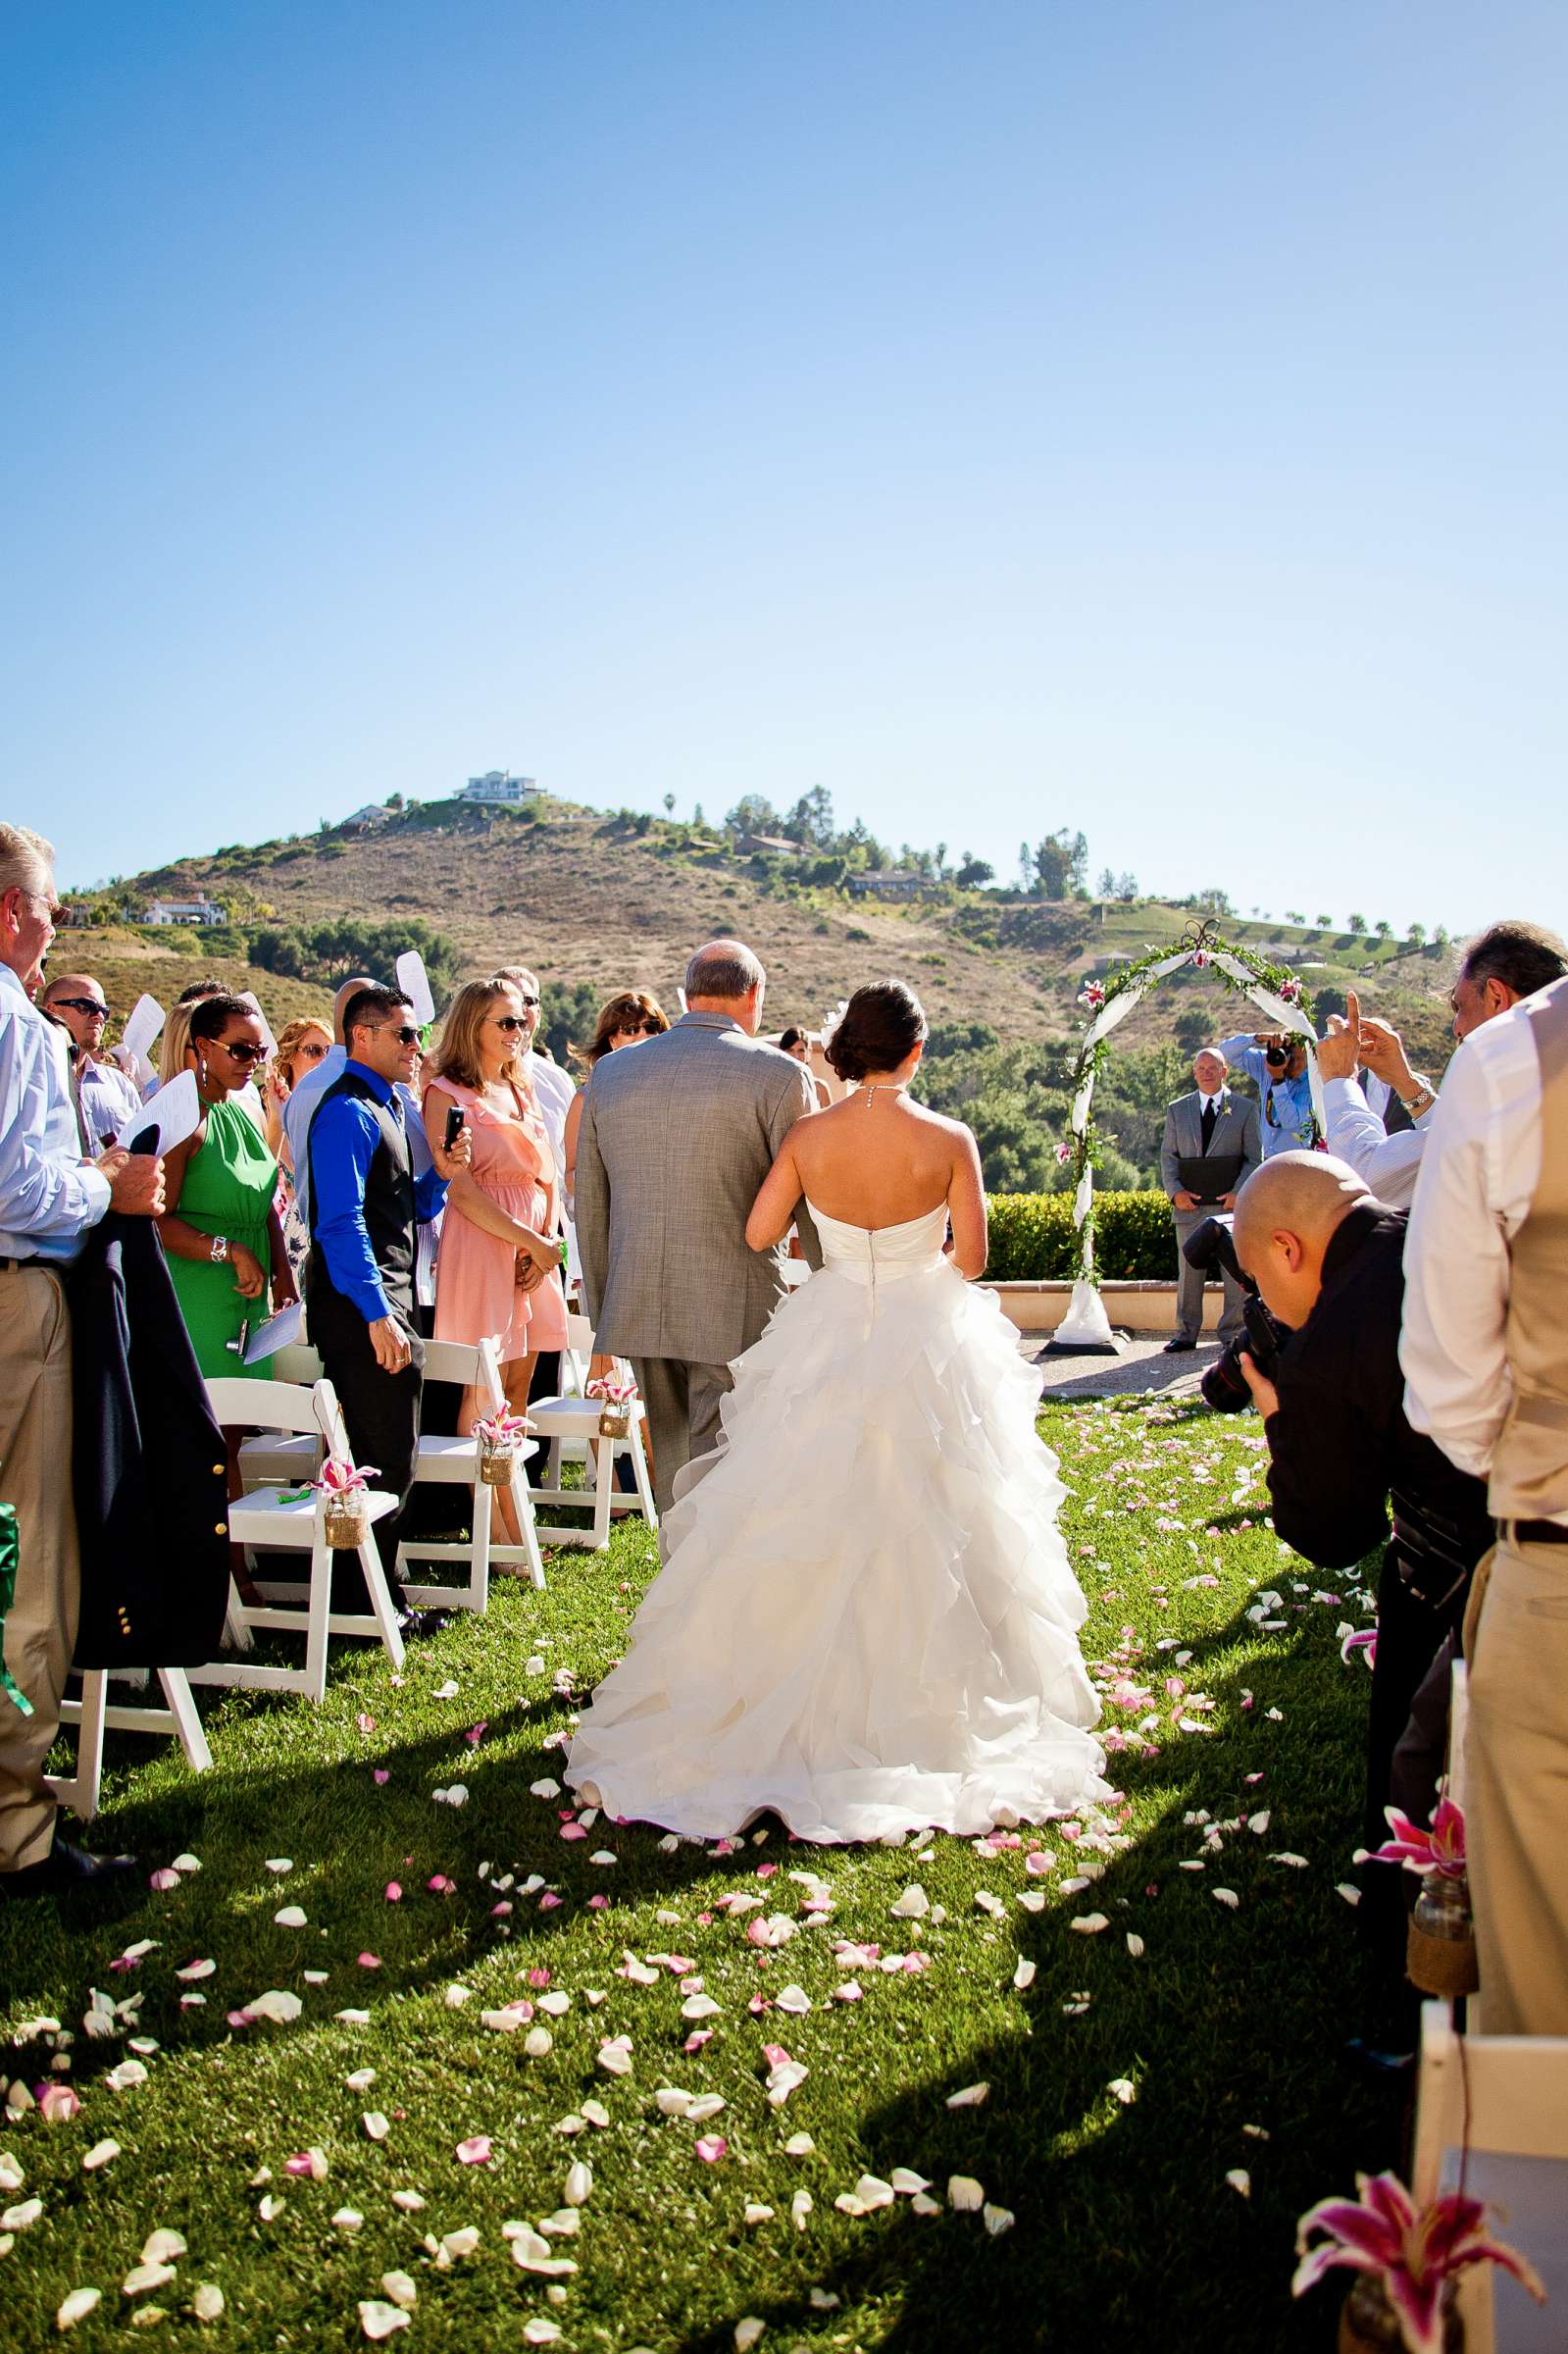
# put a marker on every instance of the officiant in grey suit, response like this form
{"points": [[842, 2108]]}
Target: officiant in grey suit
{"points": [[1212, 1143], [678, 1134]]}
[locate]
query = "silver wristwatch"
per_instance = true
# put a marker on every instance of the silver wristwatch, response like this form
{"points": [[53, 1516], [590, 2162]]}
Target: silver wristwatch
{"points": [[220, 1250]]}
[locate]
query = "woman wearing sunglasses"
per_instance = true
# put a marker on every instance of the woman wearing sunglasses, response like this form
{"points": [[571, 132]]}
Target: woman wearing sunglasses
{"points": [[221, 1228], [625, 1021], [498, 1274]]}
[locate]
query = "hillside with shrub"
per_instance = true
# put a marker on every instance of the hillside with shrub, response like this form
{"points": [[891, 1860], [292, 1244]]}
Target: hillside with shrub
{"points": [[598, 900]]}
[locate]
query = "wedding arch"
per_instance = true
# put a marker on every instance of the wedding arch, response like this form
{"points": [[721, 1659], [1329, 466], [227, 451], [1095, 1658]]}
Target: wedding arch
{"points": [[1274, 992]]}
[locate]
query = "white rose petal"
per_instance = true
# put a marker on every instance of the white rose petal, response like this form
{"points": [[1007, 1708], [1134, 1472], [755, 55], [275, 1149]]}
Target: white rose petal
{"points": [[1090, 1924], [22, 2215], [997, 2219], [1226, 1897], [378, 2319], [795, 1999], [163, 2247], [1240, 2180], [970, 2097], [401, 2288], [278, 2005], [799, 2145], [1022, 1974], [291, 1917], [913, 1904], [1123, 2089], [538, 2042], [208, 2301], [579, 2184], [377, 2125], [348, 2219], [1135, 1945], [76, 2306], [964, 2195], [102, 2153], [144, 2278]]}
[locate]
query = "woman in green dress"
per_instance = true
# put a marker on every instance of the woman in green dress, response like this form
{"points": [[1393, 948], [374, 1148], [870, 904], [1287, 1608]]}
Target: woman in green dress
{"points": [[221, 1227]]}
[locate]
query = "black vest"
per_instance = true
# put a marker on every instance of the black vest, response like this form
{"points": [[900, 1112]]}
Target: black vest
{"points": [[388, 1200]]}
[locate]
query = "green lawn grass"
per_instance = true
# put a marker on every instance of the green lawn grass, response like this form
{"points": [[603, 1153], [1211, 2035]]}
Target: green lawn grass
{"points": [[1126, 2230]]}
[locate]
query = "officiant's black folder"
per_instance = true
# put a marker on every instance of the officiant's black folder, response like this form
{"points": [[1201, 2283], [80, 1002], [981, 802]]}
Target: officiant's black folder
{"points": [[1209, 1175]]}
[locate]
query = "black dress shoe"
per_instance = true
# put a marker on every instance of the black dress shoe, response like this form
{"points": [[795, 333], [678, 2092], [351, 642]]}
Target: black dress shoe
{"points": [[417, 1626], [1178, 1346], [68, 1871]]}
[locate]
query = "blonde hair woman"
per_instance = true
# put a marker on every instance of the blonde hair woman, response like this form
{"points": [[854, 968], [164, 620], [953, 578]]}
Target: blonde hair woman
{"points": [[498, 1276], [301, 1046]]}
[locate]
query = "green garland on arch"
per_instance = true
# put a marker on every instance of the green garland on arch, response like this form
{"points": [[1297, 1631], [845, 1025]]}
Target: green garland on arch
{"points": [[1200, 944]]}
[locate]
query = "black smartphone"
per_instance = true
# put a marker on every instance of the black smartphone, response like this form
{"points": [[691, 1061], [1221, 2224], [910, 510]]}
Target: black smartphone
{"points": [[456, 1122]]}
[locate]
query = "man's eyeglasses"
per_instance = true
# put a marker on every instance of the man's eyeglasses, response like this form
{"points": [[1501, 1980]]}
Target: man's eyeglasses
{"points": [[243, 1050], [528, 1001], [404, 1032], [81, 1005]]}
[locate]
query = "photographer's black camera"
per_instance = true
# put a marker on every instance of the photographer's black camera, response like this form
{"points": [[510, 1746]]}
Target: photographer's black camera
{"points": [[1212, 1248]]}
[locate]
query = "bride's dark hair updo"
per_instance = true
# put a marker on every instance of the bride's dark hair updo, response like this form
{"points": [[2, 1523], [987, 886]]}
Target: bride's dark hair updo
{"points": [[883, 1024]]}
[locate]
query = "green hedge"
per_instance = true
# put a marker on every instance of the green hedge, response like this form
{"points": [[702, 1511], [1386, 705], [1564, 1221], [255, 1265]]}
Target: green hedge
{"points": [[1031, 1238]]}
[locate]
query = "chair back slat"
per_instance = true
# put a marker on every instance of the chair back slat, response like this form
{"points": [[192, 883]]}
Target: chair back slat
{"points": [[241, 1403]]}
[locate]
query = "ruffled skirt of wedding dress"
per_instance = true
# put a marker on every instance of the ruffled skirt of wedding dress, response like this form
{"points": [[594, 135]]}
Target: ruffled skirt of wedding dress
{"points": [[866, 1622]]}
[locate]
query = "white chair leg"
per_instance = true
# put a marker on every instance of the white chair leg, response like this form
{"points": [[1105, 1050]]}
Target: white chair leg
{"points": [[182, 1708], [639, 1472], [603, 1491], [523, 1505], [370, 1561], [80, 1792], [479, 1577], [320, 1606]]}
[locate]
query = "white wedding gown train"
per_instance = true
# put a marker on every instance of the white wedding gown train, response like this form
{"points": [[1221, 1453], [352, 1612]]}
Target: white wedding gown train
{"points": [[866, 1622]]}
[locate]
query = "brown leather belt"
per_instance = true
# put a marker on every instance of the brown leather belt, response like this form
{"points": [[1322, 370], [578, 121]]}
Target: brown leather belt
{"points": [[1533, 1532]]}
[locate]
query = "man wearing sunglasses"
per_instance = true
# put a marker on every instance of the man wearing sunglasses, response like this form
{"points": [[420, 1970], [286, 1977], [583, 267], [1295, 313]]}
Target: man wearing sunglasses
{"points": [[106, 1097], [365, 1201]]}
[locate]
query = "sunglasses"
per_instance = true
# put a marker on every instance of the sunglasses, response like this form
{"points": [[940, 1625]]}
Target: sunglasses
{"points": [[511, 1021], [404, 1032], [243, 1050], [644, 1028], [315, 1052], [81, 1005]]}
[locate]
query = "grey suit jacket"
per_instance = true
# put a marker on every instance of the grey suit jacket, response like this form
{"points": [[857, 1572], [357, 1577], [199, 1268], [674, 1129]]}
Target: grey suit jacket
{"points": [[1235, 1129], [677, 1137]]}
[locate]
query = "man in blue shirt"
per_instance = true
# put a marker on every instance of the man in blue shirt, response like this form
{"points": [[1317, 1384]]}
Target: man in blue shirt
{"points": [[1284, 1087], [50, 1195], [365, 1201]]}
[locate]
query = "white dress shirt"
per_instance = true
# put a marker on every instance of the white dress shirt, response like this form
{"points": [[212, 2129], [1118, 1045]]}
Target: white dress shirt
{"points": [[108, 1100], [1389, 1165], [1477, 1178], [553, 1088], [49, 1195]]}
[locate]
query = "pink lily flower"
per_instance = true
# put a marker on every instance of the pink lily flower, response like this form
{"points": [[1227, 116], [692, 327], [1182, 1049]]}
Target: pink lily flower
{"points": [[1441, 1850], [1412, 2252]]}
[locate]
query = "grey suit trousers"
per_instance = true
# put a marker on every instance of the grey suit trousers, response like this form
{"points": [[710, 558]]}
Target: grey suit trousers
{"points": [[683, 1402], [1190, 1285]]}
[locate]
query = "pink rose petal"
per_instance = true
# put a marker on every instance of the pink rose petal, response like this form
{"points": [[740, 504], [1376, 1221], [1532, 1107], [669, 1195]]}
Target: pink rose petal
{"points": [[395, 1892], [476, 2151], [711, 2148], [370, 1960]]}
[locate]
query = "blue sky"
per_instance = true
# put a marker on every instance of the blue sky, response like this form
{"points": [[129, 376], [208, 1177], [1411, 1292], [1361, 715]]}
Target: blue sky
{"points": [[1146, 418]]}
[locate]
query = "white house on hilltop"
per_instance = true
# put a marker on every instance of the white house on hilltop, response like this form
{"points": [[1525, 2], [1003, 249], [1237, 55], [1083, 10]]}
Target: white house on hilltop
{"points": [[184, 911], [497, 785]]}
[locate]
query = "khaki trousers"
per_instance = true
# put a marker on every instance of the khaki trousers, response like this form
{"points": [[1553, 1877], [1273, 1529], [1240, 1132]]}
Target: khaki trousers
{"points": [[1516, 1776], [35, 1476]]}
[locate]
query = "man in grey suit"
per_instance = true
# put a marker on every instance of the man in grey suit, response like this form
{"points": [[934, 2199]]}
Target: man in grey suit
{"points": [[677, 1137], [1217, 1127]]}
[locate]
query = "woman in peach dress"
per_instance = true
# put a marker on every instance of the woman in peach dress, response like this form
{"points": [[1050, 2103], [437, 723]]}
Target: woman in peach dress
{"points": [[498, 1276]]}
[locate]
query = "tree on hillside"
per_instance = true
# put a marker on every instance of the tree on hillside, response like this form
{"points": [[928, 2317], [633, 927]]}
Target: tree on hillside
{"points": [[330, 951], [1061, 861], [1383, 928], [754, 813], [1294, 916], [1440, 935], [1417, 935], [669, 804], [1213, 901], [1127, 887], [1026, 866], [1324, 922], [1355, 923], [811, 819], [1105, 887], [698, 818], [973, 872]]}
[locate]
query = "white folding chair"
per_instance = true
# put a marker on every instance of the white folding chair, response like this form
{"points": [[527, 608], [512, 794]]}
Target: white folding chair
{"points": [[92, 1714], [455, 1463], [1497, 2106], [279, 1457], [570, 1424], [280, 1519]]}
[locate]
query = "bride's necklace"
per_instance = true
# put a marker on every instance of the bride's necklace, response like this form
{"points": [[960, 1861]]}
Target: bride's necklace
{"points": [[891, 1087]]}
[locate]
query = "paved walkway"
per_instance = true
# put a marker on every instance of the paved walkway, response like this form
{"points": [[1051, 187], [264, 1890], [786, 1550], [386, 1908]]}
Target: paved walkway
{"points": [[1141, 1367]]}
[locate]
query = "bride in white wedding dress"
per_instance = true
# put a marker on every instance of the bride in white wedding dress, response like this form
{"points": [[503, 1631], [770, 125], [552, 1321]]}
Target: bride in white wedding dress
{"points": [[866, 1622]]}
